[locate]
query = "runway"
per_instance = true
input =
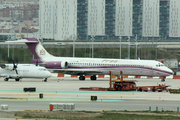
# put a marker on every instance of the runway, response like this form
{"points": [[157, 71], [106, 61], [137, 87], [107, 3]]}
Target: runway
{"points": [[66, 90]]}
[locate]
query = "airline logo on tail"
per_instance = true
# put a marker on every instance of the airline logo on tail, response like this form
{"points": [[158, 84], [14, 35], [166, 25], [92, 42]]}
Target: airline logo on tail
{"points": [[42, 52]]}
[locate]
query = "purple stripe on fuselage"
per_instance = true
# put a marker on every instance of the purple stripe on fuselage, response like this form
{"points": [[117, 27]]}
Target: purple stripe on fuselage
{"points": [[121, 67], [32, 46], [163, 71]]}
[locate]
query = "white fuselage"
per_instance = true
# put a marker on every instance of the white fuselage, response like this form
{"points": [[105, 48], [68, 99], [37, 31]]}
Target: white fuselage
{"points": [[25, 71], [129, 67]]}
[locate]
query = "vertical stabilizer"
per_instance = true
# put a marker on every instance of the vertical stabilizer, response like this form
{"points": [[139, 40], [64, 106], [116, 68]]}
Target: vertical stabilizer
{"points": [[37, 49]]}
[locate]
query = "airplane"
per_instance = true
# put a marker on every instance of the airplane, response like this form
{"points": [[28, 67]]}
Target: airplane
{"points": [[94, 66], [19, 71]]}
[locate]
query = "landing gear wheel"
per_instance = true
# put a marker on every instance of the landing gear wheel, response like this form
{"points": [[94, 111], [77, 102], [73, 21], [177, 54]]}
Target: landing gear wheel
{"points": [[6, 79], [93, 77], [81, 78], [45, 80], [16, 79]]}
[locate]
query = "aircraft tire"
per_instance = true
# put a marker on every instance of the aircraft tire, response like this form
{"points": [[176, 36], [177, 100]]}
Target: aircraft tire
{"points": [[81, 78], [6, 79], [93, 77], [16, 79], [45, 80]]}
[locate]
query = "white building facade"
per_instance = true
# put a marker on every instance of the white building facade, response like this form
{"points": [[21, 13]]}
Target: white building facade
{"points": [[96, 17], [82, 19], [174, 18], [123, 15], [150, 18], [58, 19]]}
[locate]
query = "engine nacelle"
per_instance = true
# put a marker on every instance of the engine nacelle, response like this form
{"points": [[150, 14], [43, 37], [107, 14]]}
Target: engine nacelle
{"points": [[7, 66], [64, 64], [56, 65]]}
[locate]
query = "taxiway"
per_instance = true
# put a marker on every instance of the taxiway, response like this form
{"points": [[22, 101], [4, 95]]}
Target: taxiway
{"points": [[66, 90]]}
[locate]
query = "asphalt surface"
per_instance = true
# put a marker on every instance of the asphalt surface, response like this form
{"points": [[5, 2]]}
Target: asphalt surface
{"points": [[66, 90]]}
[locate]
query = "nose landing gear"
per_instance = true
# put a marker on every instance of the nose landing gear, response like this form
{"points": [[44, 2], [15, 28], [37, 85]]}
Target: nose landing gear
{"points": [[163, 79], [45, 80], [6, 79]]}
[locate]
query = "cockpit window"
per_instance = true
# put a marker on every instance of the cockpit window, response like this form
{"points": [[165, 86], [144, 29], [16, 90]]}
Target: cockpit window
{"points": [[160, 65], [42, 69]]}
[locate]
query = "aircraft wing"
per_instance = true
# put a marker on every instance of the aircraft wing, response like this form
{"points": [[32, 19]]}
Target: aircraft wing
{"points": [[78, 71]]}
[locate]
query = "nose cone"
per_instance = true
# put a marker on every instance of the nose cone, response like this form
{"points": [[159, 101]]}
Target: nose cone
{"points": [[169, 71], [48, 74]]}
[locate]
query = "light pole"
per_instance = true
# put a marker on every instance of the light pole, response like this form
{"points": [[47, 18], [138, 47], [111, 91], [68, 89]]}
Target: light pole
{"points": [[92, 39], [8, 45], [26, 9], [73, 38], [153, 24], [120, 47], [13, 37], [128, 47], [136, 45]]}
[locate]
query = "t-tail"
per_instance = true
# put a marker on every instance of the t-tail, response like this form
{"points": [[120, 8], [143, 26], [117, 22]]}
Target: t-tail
{"points": [[36, 48]]}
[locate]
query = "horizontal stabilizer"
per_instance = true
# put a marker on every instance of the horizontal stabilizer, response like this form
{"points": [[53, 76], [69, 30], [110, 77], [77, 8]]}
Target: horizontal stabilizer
{"points": [[21, 41]]}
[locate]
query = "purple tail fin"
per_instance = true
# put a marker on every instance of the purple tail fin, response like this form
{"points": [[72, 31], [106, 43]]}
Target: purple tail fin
{"points": [[38, 50], [32, 46]]}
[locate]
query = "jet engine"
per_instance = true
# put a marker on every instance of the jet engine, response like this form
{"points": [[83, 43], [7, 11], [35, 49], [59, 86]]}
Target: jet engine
{"points": [[57, 65], [64, 64]]}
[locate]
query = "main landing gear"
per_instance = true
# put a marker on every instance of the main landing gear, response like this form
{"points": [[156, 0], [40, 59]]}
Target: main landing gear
{"points": [[93, 77], [6, 79], [16, 79], [81, 77]]}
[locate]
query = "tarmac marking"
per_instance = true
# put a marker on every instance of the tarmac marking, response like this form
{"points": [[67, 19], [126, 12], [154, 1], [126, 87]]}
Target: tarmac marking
{"points": [[104, 92], [11, 98], [63, 99]]}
